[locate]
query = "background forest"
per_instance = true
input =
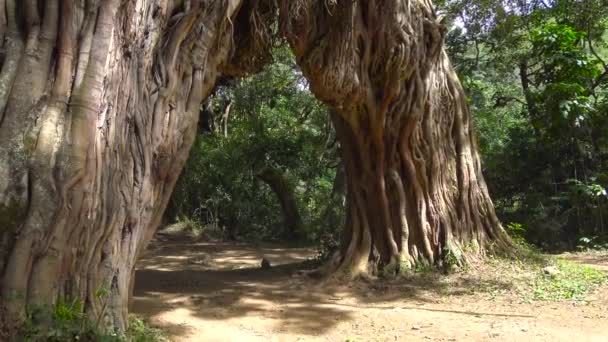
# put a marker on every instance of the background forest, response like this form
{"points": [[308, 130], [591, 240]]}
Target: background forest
{"points": [[265, 164]]}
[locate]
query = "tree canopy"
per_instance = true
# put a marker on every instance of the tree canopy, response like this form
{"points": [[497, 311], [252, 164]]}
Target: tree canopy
{"points": [[357, 125], [535, 73], [536, 79]]}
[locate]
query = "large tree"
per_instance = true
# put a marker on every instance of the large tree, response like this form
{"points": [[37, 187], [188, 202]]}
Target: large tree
{"points": [[99, 101], [415, 187]]}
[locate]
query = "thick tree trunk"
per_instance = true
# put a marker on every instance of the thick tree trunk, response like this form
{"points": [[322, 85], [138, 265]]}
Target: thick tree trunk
{"points": [[291, 214], [99, 102], [415, 187], [337, 198]]}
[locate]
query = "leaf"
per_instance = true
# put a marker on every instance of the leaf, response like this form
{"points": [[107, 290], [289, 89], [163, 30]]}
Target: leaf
{"points": [[102, 292]]}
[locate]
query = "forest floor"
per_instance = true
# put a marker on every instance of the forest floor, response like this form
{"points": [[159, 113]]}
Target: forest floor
{"points": [[204, 291]]}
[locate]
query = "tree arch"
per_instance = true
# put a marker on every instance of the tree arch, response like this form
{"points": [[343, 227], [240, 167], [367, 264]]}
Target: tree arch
{"points": [[99, 103]]}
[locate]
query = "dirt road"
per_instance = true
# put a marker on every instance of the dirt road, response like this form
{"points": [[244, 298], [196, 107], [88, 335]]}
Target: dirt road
{"points": [[218, 292]]}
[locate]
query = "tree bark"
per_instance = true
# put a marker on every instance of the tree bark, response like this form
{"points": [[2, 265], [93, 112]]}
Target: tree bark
{"points": [[99, 103], [531, 105], [415, 188], [224, 120], [291, 214]]}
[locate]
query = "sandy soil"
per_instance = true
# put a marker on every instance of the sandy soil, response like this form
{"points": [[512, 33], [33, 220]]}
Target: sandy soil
{"points": [[218, 292]]}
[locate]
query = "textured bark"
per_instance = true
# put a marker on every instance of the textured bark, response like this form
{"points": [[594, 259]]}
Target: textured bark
{"points": [[280, 186], [99, 102], [415, 187], [94, 131]]}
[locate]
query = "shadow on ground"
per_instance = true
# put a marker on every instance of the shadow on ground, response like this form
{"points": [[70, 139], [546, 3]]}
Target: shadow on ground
{"points": [[222, 281]]}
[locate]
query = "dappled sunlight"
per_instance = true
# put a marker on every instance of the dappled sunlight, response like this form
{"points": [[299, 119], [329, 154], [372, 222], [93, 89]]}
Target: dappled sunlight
{"points": [[218, 292], [206, 255], [229, 283], [225, 294]]}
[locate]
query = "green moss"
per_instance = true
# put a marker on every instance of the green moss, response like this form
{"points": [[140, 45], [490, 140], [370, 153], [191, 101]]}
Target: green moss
{"points": [[29, 145]]}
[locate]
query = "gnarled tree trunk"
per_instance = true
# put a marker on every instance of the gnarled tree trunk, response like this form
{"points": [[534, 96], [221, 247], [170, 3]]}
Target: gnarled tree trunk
{"points": [[415, 187], [99, 103], [280, 186]]}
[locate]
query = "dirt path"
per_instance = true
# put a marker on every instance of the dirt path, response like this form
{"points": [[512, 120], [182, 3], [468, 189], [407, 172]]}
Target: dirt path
{"points": [[218, 292]]}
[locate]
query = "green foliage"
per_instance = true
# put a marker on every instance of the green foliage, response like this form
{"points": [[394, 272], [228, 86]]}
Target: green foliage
{"points": [[517, 232], [273, 122], [452, 258], [528, 277], [65, 312], [422, 266], [63, 322], [140, 331], [66, 322], [532, 275], [102, 293], [536, 75], [593, 243], [537, 81], [573, 282]]}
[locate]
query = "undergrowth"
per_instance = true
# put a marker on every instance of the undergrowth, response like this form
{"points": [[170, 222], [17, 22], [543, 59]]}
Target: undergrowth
{"points": [[537, 276], [532, 275], [525, 274], [140, 331], [573, 282], [66, 322]]}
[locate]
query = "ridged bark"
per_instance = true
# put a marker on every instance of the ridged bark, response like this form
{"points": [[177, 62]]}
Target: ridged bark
{"points": [[99, 103], [416, 193]]}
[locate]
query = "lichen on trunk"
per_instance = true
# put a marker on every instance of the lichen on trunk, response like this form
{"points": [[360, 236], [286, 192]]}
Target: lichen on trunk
{"points": [[416, 193]]}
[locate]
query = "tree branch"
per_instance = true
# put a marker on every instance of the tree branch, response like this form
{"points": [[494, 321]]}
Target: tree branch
{"points": [[502, 101], [601, 77]]}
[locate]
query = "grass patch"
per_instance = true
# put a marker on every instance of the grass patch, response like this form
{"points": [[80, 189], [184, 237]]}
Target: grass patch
{"points": [[140, 331], [66, 322], [524, 275], [536, 276], [573, 282]]}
